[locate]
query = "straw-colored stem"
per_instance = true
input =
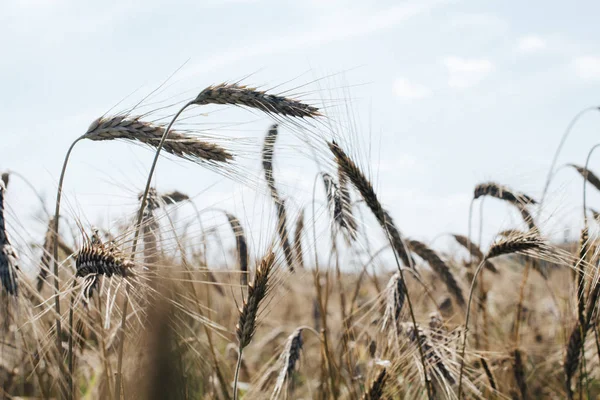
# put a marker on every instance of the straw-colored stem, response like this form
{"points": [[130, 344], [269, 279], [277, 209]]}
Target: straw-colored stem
{"points": [[410, 309], [134, 248], [466, 330], [237, 373], [559, 148], [59, 350]]}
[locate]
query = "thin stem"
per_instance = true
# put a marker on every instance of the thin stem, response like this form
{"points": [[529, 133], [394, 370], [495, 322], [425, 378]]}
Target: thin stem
{"points": [[410, 307], [322, 306], [560, 146], [70, 356], [587, 162], [134, 248], [464, 346], [55, 252], [237, 373]]}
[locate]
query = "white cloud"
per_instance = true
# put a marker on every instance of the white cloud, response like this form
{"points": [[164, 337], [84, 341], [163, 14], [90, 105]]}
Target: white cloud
{"points": [[342, 25], [530, 44], [478, 21], [588, 67], [409, 90], [466, 72]]}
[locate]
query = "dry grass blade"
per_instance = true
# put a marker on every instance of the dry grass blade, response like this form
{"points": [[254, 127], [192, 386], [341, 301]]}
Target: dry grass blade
{"points": [[5, 178], [502, 192], [519, 371], [365, 188], [242, 95], [179, 144], [257, 291], [488, 373], [8, 254], [375, 390], [241, 246], [475, 251], [439, 267], [587, 175]]}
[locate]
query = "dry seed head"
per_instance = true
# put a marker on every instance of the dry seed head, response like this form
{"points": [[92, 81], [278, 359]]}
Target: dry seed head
{"points": [[242, 95], [257, 290], [174, 197], [96, 259], [396, 294], [179, 144], [433, 357], [475, 251], [502, 192], [241, 246], [518, 244], [365, 188], [375, 391], [572, 357], [289, 357], [519, 371], [439, 267], [587, 175], [46, 256], [8, 254], [346, 201], [335, 202], [298, 238], [267, 161]]}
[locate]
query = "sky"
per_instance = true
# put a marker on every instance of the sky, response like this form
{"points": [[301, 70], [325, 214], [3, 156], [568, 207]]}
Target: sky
{"points": [[444, 95]]}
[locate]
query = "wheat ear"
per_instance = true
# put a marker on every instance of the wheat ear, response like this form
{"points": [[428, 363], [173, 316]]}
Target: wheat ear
{"points": [[246, 325], [439, 267], [241, 95]]}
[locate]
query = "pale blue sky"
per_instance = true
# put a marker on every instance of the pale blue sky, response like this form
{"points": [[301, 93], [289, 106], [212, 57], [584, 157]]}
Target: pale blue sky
{"points": [[451, 93]]}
